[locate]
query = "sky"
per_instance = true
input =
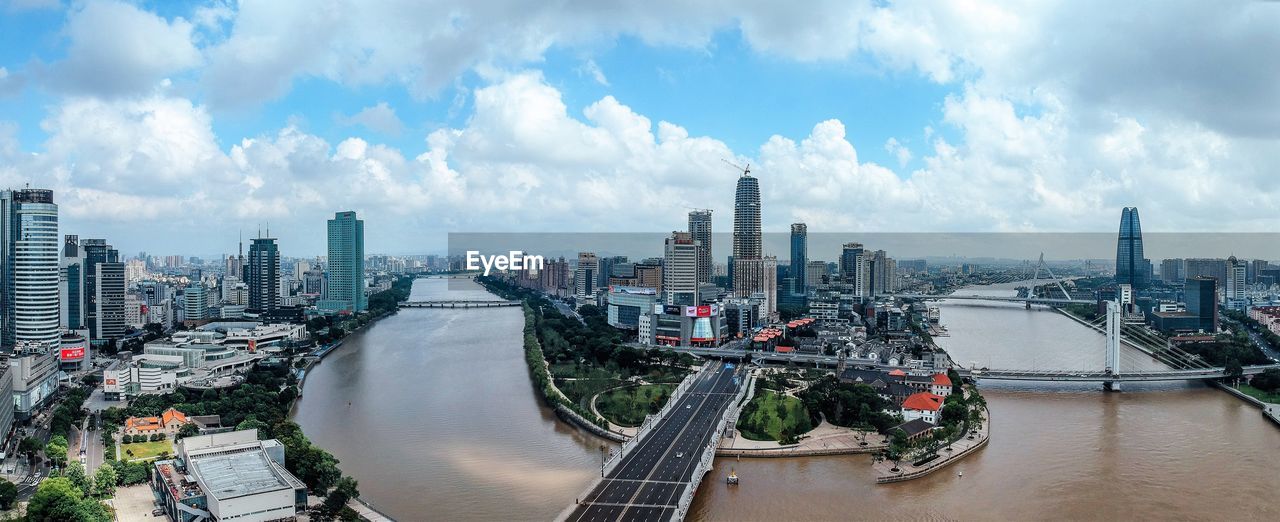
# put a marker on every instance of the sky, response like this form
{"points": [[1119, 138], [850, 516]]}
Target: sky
{"points": [[174, 127]]}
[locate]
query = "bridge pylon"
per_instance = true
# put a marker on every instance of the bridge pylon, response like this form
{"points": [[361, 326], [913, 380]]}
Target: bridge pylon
{"points": [[1113, 345]]}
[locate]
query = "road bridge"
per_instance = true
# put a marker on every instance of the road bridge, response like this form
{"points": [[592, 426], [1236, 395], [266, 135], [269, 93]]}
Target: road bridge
{"points": [[458, 303], [654, 478]]}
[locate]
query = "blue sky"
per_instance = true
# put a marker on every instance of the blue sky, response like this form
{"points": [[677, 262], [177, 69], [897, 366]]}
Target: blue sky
{"points": [[505, 116]]}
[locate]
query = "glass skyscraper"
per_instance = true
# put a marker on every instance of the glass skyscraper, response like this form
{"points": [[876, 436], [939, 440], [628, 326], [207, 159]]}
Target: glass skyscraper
{"points": [[346, 264], [262, 274], [29, 259], [799, 256], [1131, 266], [700, 229]]}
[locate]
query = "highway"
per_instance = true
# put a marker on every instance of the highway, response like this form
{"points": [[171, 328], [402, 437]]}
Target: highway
{"points": [[649, 481]]}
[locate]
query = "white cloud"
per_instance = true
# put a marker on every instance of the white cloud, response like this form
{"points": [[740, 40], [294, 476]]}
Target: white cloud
{"points": [[590, 68], [899, 151], [380, 118], [117, 49]]}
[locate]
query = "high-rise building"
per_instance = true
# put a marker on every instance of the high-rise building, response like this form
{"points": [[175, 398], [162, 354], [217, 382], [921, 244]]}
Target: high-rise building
{"points": [[28, 269], [195, 302], [882, 272], [584, 276], [1215, 268], [1202, 301], [680, 270], [813, 273], [104, 289], [752, 273], [605, 268], [345, 290], [262, 275], [1131, 266], [1235, 294], [1171, 271], [747, 241], [799, 257], [1256, 267], [700, 229], [71, 300], [853, 268]]}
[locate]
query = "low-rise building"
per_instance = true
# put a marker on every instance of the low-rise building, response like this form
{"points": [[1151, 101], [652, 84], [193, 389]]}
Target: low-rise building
{"points": [[922, 405], [35, 378], [228, 476], [168, 423]]}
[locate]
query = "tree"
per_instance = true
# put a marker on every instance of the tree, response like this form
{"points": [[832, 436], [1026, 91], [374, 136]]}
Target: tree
{"points": [[56, 450], [1233, 369], [29, 445], [57, 499], [335, 503], [188, 430], [1268, 381], [76, 474], [104, 481], [8, 494]]}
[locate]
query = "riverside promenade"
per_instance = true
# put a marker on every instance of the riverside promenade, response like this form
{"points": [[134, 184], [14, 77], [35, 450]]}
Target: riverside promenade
{"points": [[826, 439], [885, 471]]}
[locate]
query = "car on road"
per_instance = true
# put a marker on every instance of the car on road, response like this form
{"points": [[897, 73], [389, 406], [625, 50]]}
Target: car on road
{"points": [[679, 454], [688, 406]]}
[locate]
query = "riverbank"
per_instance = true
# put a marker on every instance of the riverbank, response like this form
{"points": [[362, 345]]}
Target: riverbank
{"points": [[1270, 411], [888, 472]]}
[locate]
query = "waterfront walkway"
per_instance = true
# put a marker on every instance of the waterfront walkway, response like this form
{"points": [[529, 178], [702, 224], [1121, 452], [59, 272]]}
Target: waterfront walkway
{"points": [[826, 439], [958, 450]]}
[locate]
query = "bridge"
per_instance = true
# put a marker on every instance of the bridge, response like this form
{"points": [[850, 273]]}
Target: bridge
{"points": [[458, 303], [656, 474], [1050, 301]]}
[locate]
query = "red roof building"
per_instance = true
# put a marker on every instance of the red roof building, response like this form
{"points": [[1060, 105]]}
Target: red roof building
{"points": [[923, 405]]}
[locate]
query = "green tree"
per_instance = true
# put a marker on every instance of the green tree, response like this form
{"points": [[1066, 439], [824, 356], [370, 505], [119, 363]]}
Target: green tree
{"points": [[75, 472], [56, 450], [188, 430], [104, 481], [29, 445], [58, 499], [8, 494]]}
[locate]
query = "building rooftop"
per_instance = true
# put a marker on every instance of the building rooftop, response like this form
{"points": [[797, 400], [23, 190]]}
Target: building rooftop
{"points": [[237, 473], [923, 401]]}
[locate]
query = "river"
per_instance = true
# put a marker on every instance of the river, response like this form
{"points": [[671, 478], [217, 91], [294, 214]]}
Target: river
{"points": [[433, 412], [444, 425]]}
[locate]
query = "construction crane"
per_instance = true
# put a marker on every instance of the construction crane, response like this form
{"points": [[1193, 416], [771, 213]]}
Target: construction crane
{"points": [[746, 171]]}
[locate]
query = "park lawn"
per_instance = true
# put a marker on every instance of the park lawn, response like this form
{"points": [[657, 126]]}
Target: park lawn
{"points": [[1263, 396], [762, 420], [628, 406], [145, 450]]}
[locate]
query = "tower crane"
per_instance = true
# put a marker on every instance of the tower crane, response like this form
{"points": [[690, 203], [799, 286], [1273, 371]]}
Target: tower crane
{"points": [[746, 171]]}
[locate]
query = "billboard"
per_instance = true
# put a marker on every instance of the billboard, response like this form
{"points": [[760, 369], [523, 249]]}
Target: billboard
{"points": [[672, 310], [75, 353], [701, 311]]}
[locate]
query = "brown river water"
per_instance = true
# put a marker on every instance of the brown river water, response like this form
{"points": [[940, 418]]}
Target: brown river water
{"points": [[433, 412]]}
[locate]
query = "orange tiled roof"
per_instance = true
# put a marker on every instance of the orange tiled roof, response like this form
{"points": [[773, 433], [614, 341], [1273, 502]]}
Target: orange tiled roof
{"points": [[171, 414], [897, 373], [941, 379], [142, 423], [923, 401]]}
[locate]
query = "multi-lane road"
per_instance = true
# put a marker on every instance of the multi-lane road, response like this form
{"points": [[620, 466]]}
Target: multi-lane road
{"points": [[649, 481]]}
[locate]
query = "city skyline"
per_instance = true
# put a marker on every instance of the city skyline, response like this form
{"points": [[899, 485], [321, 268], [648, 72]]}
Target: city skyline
{"points": [[624, 126]]}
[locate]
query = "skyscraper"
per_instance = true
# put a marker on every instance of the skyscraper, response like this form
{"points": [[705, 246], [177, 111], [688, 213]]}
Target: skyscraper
{"points": [[262, 275], [853, 267], [104, 290], [345, 291], [71, 300], [1236, 294], [1131, 266], [680, 270], [746, 219], [584, 276], [28, 268], [1202, 301], [753, 274], [700, 229], [799, 257]]}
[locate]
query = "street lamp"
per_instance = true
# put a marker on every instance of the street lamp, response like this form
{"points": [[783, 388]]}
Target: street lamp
{"points": [[602, 461]]}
